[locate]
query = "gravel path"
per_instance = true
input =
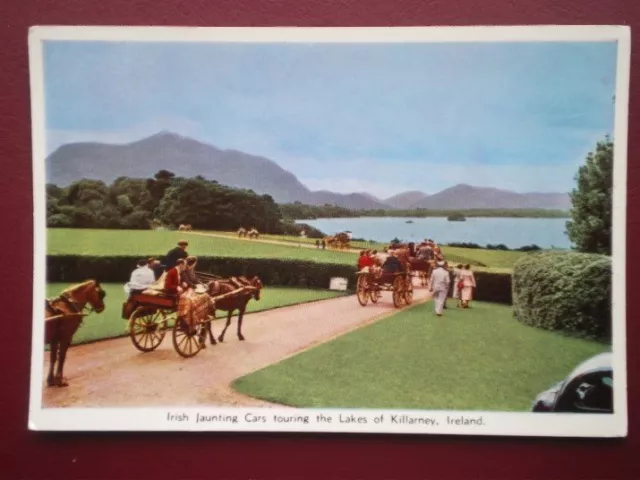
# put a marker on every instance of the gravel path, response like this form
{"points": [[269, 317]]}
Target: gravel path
{"points": [[112, 373]]}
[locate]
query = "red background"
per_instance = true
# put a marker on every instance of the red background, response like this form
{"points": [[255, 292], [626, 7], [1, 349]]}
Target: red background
{"points": [[25, 454]]}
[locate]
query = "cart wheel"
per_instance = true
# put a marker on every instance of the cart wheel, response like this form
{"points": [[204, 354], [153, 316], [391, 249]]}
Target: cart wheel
{"points": [[408, 292], [375, 295], [398, 291], [186, 341], [362, 290], [147, 328]]}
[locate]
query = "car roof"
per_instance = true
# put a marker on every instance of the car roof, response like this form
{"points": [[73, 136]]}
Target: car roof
{"points": [[600, 362]]}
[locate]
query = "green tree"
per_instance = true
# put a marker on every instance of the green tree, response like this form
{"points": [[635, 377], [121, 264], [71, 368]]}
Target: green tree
{"points": [[590, 226]]}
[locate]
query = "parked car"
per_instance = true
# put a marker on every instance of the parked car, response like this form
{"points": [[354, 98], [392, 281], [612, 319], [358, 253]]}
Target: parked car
{"points": [[588, 389]]}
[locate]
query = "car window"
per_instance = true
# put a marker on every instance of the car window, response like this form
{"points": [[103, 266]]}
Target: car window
{"points": [[589, 394], [595, 395]]}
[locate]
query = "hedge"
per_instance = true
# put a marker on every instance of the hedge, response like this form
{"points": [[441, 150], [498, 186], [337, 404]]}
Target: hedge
{"points": [[566, 291], [77, 268], [490, 287]]}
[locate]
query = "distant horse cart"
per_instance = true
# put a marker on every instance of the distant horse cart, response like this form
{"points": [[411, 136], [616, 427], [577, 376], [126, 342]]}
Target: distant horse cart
{"points": [[150, 315], [340, 241], [63, 317]]}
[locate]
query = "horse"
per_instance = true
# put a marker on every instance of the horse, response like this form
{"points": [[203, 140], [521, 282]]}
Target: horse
{"points": [[182, 228], [242, 232], [253, 233], [231, 304], [63, 317], [330, 241]]}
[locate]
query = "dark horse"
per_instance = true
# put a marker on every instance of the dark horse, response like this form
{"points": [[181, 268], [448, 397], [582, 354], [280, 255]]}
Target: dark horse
{"points": [[233, 303], [63, 316]]}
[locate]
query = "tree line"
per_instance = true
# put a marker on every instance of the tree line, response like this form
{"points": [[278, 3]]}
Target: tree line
{"points": [[300, 211], [167, 200], [133, 203]]}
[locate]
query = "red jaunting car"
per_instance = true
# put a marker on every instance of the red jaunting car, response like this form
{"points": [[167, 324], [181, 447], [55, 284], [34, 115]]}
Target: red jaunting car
{"points": [[588, 389]]}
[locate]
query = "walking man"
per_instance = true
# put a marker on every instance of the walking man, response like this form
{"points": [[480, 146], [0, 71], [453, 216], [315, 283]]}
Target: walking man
{"points": [[439, 286]]}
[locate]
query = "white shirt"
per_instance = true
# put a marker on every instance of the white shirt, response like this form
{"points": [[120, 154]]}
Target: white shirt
{"points": [[141, 278], [440, 280]]}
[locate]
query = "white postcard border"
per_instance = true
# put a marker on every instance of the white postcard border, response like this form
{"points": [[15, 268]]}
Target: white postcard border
{"points": [[493, 423]]}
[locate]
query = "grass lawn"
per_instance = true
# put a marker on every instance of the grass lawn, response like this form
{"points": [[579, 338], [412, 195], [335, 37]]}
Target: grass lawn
{"points": [[158, 243], [476, 359], [110, 324], [148, 242], [496, 260]]}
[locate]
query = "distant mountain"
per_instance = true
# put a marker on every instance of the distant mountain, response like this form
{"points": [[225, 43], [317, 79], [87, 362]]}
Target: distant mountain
{"points": [[462, 196], [187, 157], [405, 200]]}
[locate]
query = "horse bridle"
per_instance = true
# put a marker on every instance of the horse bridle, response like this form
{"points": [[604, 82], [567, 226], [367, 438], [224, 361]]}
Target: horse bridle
{"points": [[67, 298]]}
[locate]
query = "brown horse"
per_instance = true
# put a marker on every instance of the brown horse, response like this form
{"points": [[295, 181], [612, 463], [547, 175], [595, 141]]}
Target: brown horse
{"points": [[63, 317], [236, 302]]}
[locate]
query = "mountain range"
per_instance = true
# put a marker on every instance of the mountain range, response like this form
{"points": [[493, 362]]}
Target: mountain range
{"points": [[187, 157]]}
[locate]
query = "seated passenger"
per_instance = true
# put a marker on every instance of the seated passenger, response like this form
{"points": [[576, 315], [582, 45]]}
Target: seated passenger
{"points": [[188, 276], [392, 265], [172, 284], [141, 279], [154, 264], [365, 260]]}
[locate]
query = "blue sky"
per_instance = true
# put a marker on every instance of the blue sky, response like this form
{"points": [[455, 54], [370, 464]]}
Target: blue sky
{"points": [[377, 118]]}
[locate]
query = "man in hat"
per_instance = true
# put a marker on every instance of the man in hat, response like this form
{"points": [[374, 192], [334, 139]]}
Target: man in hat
{"points": [[176, 254], [439, 286], [154, 265]]}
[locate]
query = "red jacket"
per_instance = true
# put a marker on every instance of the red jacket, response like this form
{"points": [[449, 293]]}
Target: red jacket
{"points": [[365, 261], [172, 281]]}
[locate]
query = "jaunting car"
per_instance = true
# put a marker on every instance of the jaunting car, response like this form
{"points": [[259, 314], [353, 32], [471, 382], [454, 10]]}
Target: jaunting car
{"points": [[588, 389]]}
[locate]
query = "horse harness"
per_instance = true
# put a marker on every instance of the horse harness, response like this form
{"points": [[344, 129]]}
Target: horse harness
{"points": [[76, 309]]}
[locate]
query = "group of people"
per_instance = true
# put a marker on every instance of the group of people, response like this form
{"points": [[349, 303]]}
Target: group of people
{"points": [[440, 285], [380, 263], [175, 275], [442, 276]]}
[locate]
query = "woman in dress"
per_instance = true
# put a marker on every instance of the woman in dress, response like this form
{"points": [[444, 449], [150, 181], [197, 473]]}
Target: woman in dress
{"points": [[468, 284]]}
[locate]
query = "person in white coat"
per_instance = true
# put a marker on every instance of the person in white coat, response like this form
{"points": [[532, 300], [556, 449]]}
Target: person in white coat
{"points": [[141, 278], [439, 286]]}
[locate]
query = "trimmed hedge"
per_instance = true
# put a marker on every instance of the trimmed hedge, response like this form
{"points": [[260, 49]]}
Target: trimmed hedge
{"points": [[295, 273], [566, 291], [493, 287], [490, 287]]}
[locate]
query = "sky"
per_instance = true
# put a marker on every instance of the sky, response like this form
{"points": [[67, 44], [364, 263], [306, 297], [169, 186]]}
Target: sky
{"points": [[380, 118]]}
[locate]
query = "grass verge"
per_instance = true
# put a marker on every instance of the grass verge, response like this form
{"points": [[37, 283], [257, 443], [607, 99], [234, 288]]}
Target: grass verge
{"points": [[476, 359]]}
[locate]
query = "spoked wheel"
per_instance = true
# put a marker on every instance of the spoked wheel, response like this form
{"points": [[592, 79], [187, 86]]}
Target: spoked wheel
{"points": [[398, 291], [375, 295], [186, 341], [362, 290], [147, 328], [408, 292]]}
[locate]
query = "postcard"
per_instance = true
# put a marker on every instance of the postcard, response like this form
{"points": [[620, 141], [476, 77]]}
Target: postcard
{"points": [[361, 230]]}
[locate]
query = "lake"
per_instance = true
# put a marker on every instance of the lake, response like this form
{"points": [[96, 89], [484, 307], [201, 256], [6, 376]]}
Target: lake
{"points": [[512, 232]]}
